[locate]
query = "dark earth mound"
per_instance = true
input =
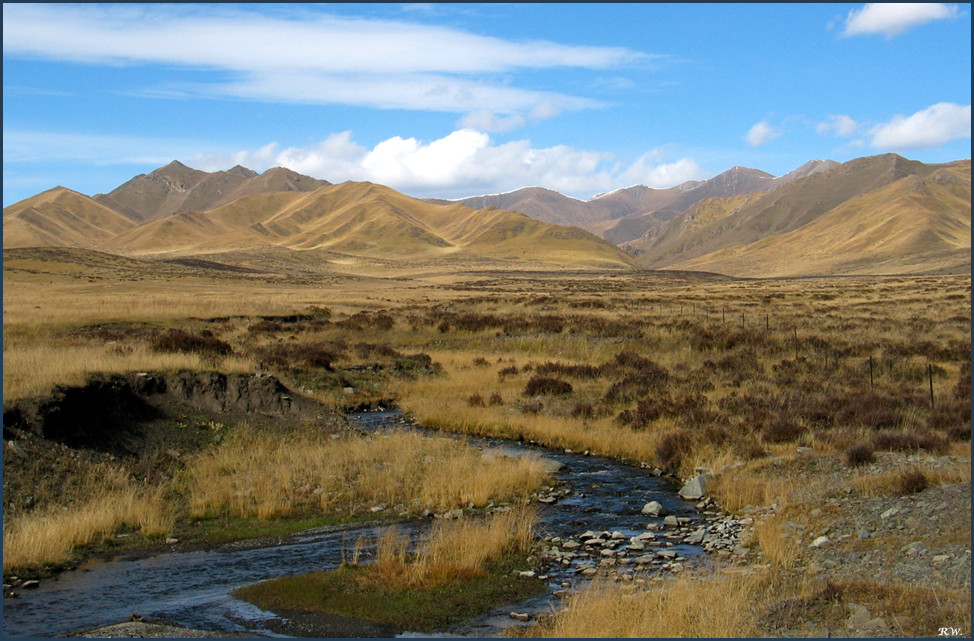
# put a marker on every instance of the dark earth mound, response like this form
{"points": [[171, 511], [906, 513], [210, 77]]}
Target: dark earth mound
{"points": [[144, 421]]}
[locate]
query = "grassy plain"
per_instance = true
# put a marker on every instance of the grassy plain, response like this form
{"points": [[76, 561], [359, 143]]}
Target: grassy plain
{"points": [[675, 370]]}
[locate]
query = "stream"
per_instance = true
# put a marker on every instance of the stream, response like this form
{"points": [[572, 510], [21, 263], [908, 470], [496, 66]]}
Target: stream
{"points": [[193, 589]]}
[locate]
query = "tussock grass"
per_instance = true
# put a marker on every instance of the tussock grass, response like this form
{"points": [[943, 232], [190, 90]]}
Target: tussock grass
{"points": [[32, 370], [49, 537], [903, 482], [778, 546], [459, 570], [452, 550], [265, 477], [717, 607]]}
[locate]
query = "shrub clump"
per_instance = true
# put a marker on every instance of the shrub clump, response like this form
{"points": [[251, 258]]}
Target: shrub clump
{"points": [[912, 481], [547, 386], [295, 355], [781, 430], [858, 455], [671, 450], [177, 340]]}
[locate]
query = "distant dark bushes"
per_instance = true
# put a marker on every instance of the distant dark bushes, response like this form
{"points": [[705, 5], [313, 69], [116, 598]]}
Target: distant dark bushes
{"points": [[547, 386], [781, 429], [564, 369], [909, 441], [691, 409], [297, 355], [177, 340], [512, 324]]}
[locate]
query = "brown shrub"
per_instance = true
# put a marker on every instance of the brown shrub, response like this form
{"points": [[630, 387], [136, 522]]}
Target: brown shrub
{"points": [[547, 386], [960, 433], [781, 429], [583, 411], [908, 441], [671, 450], [564, 369], [476, 400], [510, 370], [911, 481], [177, 340], [861, 454], [297, 355]]}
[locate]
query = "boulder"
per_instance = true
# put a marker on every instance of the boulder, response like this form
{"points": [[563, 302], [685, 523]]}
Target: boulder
{"points": [[695, 488], [654, 508]]}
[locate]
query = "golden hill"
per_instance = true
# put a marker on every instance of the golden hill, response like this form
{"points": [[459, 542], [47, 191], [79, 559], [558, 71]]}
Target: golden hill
{"points": [[878, 215], [60, 217], [367, 220]]}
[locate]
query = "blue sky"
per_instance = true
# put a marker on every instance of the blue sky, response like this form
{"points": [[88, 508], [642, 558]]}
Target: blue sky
{"points": [[455, 100]]}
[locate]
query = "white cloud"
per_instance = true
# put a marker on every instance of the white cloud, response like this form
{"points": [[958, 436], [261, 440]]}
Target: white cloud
{"points": [[646, 172], [842, 126], [305, 56], [485, 120], [934, 126], [463, 163], [892, 19], [761, 134]]}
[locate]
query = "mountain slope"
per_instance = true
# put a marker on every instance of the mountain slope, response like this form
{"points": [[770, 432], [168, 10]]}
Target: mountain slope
{"points": [[882, 214], [363, 219], [626, 214], [60, 217], [177, 188]]}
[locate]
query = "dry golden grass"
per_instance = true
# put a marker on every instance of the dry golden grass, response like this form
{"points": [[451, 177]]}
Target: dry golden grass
{"points": [[254, 475], [32, 370], [752, 350], [686, 607], [889, 483], [49, 537], [452, 550]]}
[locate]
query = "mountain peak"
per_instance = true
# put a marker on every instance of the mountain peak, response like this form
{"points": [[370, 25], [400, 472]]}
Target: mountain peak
{"points": [[239, 170]]}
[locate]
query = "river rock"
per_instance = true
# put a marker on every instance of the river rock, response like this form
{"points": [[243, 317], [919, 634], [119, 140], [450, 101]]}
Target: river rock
{"points": [[695, 488], [654, 508]]}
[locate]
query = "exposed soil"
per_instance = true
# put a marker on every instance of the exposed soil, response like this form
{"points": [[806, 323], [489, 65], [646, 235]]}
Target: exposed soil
{"points": [[145, 422]]}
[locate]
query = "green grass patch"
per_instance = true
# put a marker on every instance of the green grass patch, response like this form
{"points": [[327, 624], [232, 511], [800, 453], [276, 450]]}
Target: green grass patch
{"points": [[352, 591]]}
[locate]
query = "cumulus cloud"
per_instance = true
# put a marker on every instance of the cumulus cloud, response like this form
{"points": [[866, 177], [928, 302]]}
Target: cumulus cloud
{"points": [[464, 163], [761, 134], [842, 126], [892, 19], [306, 56], [934, 126]]}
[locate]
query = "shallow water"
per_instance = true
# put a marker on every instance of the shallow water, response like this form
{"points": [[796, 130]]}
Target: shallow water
{"points": [[193, 588]]}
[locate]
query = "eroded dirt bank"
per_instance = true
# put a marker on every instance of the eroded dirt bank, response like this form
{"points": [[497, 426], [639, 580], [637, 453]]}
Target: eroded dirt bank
{"points": [[144, 421]]}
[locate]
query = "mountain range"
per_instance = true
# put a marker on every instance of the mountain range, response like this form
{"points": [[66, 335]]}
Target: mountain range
{"points": [[873, 215], [176, 211]]}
